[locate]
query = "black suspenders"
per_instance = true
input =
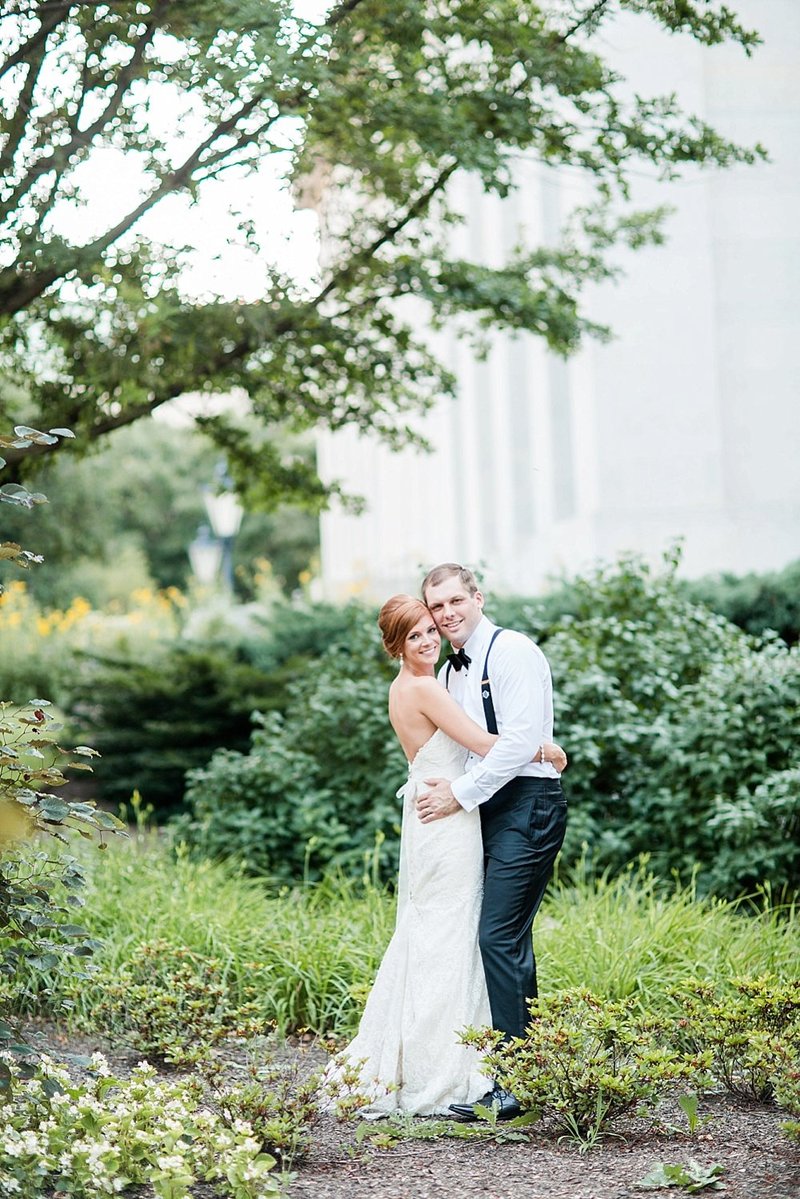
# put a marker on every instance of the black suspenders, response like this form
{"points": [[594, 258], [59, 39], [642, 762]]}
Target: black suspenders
{"points": [[486, 688]]}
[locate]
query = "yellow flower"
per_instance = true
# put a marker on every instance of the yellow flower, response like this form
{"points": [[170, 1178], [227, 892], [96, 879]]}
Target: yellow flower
{"points": [[142, 596]]}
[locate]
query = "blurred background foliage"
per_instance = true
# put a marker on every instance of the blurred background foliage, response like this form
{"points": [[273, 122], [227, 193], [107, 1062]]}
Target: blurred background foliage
{"points": [[122, 518], [256, 723]]}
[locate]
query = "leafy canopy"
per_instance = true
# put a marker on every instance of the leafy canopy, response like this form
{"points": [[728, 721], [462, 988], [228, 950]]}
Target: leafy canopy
{"points": [[387, 101]]}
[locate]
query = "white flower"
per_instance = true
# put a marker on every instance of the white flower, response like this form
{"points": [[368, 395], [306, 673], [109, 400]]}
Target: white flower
{"points": [[30, 1143], [170, 1163], [99, 1065]]}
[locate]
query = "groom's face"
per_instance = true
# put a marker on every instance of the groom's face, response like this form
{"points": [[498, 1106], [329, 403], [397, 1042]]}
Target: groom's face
{"points": [[456, 610]]}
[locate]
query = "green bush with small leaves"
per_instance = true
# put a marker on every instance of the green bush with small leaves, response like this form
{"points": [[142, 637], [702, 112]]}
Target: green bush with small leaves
{"points": [[585, 1063], [171, 1004], [683, 735], [750, 1030]]}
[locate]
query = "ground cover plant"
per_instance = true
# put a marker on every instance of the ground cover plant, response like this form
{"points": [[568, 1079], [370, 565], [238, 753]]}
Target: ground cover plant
{"points": [[107, 1134]]}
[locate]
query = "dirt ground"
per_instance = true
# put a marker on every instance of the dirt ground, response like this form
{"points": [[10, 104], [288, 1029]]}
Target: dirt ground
{"points": [[758, 1161]]}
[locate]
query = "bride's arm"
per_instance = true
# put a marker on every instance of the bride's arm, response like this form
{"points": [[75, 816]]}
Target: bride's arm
{"points": [[443, 711]]}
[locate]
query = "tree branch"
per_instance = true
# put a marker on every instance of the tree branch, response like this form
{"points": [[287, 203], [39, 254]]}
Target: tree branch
{"points": [[61, 155], [51, 15], [18, 123], [16, 294], [388, 234], [595, 11], [338, 14]]}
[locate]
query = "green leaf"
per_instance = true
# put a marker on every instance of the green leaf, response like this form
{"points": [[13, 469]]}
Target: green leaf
{"points": [[34, 435], [54, 808]]}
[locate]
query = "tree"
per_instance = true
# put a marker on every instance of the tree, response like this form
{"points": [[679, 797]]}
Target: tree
{"points": [[104, 530], [387, 100]]}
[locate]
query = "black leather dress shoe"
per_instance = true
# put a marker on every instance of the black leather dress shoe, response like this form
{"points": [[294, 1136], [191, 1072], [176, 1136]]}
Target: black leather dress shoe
{"points": [[506, 1106]]}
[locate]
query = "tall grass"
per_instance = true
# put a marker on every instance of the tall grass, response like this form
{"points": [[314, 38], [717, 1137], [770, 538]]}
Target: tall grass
{"points": [[306, 952], [310, 952], [630, 936]]}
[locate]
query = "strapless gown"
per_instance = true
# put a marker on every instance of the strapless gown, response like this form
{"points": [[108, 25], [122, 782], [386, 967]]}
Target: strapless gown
{"points": [[430, 984]]}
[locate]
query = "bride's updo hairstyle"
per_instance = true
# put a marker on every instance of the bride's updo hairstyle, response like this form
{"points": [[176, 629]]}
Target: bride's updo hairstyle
{"points": [[397, 618]]}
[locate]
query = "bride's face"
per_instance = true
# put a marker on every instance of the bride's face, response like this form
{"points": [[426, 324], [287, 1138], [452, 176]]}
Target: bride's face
{"points": [[421, 646]]}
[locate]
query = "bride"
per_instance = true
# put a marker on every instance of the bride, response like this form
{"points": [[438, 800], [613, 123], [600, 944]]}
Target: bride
{"points": [[430, 984]]}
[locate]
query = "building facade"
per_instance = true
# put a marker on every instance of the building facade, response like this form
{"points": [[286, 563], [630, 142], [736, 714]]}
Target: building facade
{"points": [[686, 425]]}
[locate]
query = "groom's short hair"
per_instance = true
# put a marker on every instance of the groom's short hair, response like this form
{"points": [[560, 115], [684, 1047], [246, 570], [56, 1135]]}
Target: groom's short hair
{"points": [[447, 570]]}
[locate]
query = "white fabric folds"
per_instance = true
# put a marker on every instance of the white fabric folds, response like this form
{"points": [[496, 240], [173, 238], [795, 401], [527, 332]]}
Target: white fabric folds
{"points": [[430, 984]]}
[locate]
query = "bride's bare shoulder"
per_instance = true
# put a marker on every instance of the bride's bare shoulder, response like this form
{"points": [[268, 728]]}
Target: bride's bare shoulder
{"points": [[412, 691], [415, 684]]}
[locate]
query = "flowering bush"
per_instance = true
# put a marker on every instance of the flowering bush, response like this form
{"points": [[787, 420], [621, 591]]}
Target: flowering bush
{"points": [[101, 1136], [40, 645]]}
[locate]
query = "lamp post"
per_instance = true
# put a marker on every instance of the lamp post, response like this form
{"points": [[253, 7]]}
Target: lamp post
{"points": [[225, 513], [205, 555]]}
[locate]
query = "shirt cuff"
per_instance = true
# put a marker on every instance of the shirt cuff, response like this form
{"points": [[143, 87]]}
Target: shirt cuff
{"points": [[466, 792]]}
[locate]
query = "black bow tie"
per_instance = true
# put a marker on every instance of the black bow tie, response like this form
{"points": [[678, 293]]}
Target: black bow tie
{"points": [[459, 659]]}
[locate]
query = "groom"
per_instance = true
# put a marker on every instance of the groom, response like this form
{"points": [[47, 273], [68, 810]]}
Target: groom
{"points": [[522, 806]]}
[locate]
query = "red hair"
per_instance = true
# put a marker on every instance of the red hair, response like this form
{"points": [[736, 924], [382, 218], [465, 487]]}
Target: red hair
{"points": [[397, 618]]}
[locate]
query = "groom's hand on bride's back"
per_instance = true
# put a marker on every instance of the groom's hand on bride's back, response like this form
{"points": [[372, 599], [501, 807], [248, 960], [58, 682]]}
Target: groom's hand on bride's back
{"points": [[438, 802]]}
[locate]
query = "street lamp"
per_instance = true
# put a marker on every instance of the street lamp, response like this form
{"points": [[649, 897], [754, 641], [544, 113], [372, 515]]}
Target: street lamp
{"points": [[225, 513], [205, 555]]}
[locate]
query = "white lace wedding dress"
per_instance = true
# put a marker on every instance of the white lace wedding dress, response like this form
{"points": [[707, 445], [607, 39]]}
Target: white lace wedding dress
{"points": [[430, 984]]}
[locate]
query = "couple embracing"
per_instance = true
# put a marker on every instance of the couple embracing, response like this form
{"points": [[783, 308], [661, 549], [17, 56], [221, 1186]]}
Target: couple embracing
{"points": [[483, 821]]}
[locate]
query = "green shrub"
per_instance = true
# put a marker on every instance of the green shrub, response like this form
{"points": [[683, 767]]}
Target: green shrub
{"points": [[318, 787], [748, 1032], [754, 602], [296, 633], [585, 1063], [170, 1003], [154, 720], [682, 733]]}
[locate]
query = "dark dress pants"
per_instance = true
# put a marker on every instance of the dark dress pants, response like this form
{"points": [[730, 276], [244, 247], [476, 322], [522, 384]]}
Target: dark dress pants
{"points": [[523, 828]]}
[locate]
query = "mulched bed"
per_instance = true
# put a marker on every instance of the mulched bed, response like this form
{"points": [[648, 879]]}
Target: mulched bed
{"points": [[758, 1161]]}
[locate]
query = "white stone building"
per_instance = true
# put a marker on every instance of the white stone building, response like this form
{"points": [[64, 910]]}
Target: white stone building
{"points": [[686, 425]]}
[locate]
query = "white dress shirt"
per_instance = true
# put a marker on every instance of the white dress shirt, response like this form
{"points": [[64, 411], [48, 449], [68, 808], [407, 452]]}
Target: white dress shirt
{"points": [[522, 694]]}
